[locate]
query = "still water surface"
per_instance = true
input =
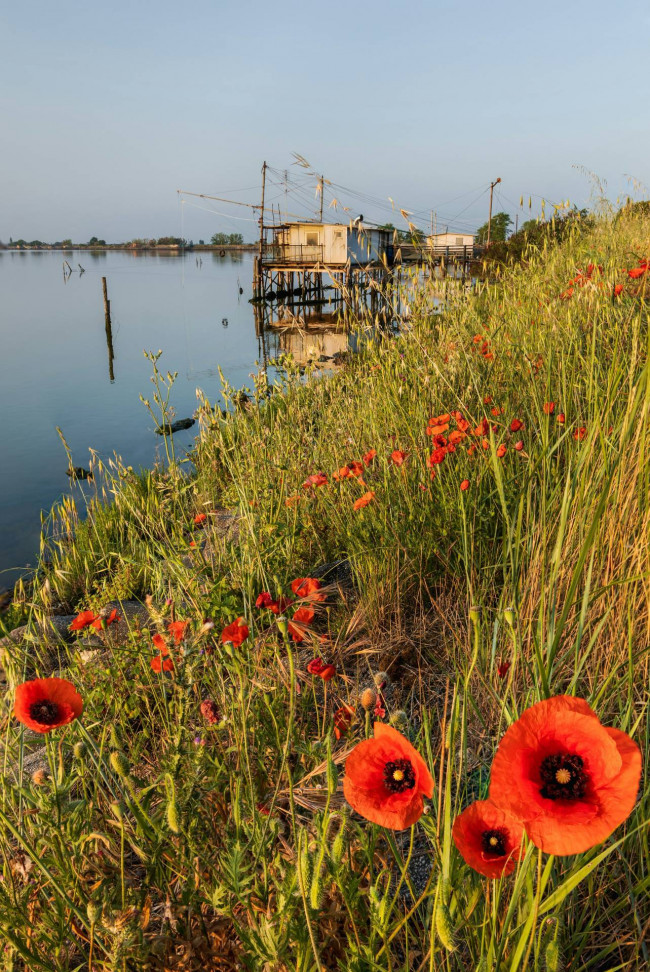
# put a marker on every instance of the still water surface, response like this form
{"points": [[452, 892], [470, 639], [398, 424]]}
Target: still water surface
{"points": [[54, 367]]}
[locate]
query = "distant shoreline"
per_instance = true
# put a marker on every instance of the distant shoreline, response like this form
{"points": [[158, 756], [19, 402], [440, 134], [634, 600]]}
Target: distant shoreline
{"points": [[228, 247]]}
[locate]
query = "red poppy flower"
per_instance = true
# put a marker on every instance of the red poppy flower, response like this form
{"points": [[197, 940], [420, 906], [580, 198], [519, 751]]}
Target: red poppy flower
{"points": [[457, 436], [386, 778], [477, 338], [566, 294], [639, 271], [549, 408], [327, 672], [236, 633], [177, 630], [315, 480], [561, 418], [369, 456], [472, 449], [299, 623], [397, 457], [503, 669], [364, 500], [440, 419], [437, 456], [315, 666], [487, 400], [497, 410], [264, 600], [518, 446], [100, 623], [200, 518], [580, 433], [83, 620], [343, 719], [464, 485], [292, 500], [437, 429], [482, 428], [618, 290], [162, 662], [352, 469], [569, 779], [43, 704], [516, 424], [307, 587], [501, 451], [489, 839], [160, 644]]}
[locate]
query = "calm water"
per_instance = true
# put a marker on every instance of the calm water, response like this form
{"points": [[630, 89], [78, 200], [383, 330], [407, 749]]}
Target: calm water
{"points": [[54, 367]]}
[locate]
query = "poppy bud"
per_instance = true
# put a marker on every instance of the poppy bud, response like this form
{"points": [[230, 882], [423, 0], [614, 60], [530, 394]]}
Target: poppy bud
{"points": [[509, 615], [444, 926], [380, 679], [338, 846], [368, 699], [475, 614], [399, 720], [553, 958], [173, 816], [120, 764], [93, 912], [79, 750], [116, 810], [283, 626]]}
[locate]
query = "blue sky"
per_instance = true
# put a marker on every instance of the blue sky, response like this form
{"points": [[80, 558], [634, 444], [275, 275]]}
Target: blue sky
{"points": [[108, 109]]}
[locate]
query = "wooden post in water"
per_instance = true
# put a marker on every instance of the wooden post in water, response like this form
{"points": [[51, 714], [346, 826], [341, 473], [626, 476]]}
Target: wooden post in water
{"points": [[109, 329]]}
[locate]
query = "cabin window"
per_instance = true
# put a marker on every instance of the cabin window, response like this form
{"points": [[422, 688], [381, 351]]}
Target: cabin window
{"points": [[338, 235], [311, 239], [459, 241]]}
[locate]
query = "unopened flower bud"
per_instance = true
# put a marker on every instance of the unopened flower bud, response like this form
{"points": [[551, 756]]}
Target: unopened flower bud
{"points": [[475, 614], [509, 615], [282, 624], [120, 764], [368, 699], [399, 720], [380, 679], [93, 912], [79, 750]]}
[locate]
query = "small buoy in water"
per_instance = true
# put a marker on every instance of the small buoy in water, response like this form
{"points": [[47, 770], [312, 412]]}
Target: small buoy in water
{"points": [[241, 290], [222, 252], [78, 472], [224, 321]]}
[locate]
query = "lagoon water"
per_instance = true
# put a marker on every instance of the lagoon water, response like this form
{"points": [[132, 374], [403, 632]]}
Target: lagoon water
{"points": [[54, 367]]}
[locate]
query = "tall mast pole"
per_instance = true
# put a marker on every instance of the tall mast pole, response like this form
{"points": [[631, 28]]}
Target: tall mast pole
{"points": [[262, 215], [492, 185], [322, 196]]}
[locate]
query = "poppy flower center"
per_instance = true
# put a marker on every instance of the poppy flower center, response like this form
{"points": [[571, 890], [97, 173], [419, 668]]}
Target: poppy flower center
{"points": [[44, 712], [399, 776], [563, 777], [493, 842]]}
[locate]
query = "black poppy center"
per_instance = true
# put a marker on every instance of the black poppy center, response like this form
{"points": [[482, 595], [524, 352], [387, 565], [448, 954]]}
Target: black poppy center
{"points": [[563, 777], [399, 776], [494, 842], [45, 712]]}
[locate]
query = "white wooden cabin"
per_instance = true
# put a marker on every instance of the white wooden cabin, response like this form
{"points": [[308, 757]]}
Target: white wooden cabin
{"points": [[452, 243], [332, 244]]}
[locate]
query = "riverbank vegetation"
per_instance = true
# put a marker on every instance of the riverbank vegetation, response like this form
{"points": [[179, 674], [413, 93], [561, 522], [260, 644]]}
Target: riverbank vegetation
{"points": [[453, 528]]}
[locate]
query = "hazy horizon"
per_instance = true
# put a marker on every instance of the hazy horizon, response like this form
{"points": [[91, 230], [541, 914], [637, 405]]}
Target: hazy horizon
{"points": [[108, 112]]}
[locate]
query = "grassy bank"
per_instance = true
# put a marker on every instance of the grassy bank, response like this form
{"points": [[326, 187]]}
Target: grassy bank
{"points": [[165, 833]]}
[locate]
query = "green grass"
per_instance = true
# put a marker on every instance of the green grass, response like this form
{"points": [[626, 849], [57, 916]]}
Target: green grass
{"points": [[144, 849]]}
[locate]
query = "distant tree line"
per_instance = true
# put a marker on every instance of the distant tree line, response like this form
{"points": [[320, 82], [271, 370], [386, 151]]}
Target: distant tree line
{"points": [[227, 239]]}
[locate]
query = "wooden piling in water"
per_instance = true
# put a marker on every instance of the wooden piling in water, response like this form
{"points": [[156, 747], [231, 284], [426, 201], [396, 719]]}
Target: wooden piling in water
{"points": [[109, 329]]}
